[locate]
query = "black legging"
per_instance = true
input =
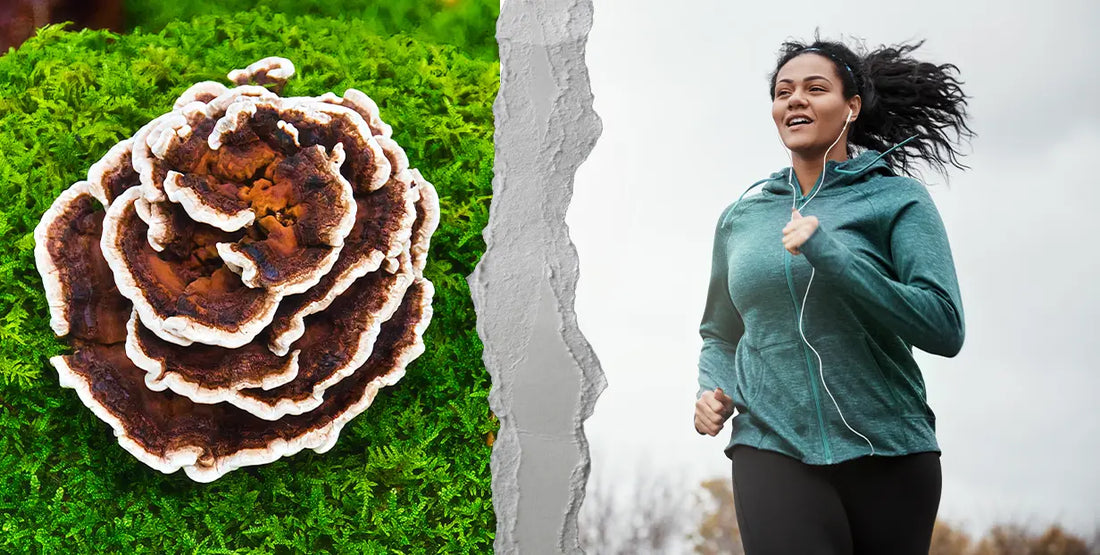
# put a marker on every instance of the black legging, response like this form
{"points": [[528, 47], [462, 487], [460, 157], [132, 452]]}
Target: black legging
{"points": [[869, 505]]}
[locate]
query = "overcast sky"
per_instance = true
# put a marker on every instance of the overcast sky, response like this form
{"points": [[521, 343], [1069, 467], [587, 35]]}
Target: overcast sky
{"points": [[687, 127]]}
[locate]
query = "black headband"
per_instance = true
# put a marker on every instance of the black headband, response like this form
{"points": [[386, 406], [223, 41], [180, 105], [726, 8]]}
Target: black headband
{"points": [[833, 58]]}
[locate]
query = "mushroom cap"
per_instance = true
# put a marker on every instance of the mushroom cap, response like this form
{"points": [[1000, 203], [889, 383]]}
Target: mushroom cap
{"points": [[335, 343], [204, 373], [202, 198], [364, 106], [203, 91], [113, 174], [215, 439], [183, 295], [319, 123], [240, 277], [309, 209], [80, 293], [247, 159], [383, 224], [427, 220], [271, 70]]}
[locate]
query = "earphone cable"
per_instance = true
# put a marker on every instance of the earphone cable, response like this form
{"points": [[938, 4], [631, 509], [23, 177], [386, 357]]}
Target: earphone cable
{"points": [[794, 205], [821, 364]]}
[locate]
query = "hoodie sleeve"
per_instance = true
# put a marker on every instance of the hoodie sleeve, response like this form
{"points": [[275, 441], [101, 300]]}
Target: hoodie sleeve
{"points": [[722, 326], [923, 306]]}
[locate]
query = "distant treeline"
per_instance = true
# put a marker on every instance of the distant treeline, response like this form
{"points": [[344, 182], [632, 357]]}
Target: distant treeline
{"points": [[654, 515]]}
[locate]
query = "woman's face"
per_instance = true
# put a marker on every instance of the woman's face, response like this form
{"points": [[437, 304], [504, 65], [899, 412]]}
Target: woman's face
{"points": [[808, 106]]}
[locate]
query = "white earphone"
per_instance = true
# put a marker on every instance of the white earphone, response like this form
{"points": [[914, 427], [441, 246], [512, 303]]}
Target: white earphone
{"points": [[823, 162]]}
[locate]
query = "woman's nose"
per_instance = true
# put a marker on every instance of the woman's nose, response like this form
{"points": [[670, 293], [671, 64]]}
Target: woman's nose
{"points": [[796, 99]]}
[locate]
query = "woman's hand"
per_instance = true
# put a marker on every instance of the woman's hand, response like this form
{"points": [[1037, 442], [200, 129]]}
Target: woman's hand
{"points": [[711, 412], [798, 231]]}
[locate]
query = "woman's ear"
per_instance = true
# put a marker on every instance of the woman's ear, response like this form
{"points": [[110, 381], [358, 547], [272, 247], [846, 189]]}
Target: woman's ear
{"points": [[854, 104]]}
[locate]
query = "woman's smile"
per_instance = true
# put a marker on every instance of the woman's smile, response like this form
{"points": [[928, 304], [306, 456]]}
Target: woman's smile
{"points": [[808, 105]]}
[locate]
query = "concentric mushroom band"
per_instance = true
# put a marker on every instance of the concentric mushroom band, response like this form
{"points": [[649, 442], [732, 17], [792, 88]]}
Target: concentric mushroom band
{"points": [[241, 277]]}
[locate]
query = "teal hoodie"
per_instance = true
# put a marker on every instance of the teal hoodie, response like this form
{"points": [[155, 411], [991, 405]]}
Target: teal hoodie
{"points": [[884, 282]]}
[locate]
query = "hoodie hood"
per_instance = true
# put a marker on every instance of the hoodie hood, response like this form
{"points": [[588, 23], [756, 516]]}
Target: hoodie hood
{"points": [[837, 174]]}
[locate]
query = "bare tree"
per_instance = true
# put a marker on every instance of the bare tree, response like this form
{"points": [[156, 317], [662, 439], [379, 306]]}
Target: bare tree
{"points": [[1056, 541], [1009, 539], [718, 532], [648, 513], [948, 540], [1005, 539]]}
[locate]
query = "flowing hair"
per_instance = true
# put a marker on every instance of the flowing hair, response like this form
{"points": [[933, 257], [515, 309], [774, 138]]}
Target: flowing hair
{"points": [[902, 98]]}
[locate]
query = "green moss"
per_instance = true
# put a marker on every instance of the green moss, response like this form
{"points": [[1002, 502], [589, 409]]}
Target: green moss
{"points": [[410, 475], [470, 25]]}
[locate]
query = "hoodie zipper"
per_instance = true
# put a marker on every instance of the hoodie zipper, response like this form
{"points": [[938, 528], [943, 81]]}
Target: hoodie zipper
{"points": [[809, 371]]}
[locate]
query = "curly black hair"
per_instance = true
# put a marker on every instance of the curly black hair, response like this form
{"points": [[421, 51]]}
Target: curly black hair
{"points": [[902, 97]]}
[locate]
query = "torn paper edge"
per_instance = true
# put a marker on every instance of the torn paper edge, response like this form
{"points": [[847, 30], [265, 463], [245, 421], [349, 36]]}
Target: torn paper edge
{"points": [[545, 128]]}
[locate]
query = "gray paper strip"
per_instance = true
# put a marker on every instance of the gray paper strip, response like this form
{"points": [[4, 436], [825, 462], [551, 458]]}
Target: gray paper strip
{"points": [[545, 375]]}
